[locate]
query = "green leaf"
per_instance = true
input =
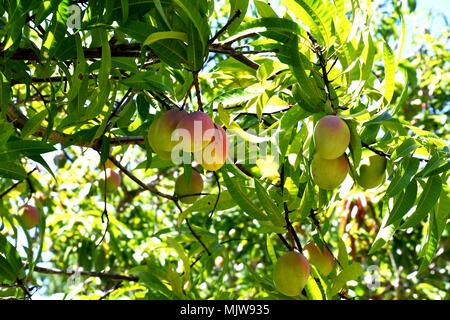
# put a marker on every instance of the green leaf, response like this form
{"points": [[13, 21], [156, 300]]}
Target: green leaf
{"points": [[389, 71], [16, 21], [105, 67], [313, 290], [270, 249], [355, 143], [274, 212], [427, 201], [264, 9], [145, 81], [342, 254], [317, 15], [46, 7], [33, 124], [206, 204], [351, 272], [384, 234], [12, 170], [195, 48], [404, 94], [5, 94], [231, 98], [434, 163], [306, 204], [404, 203], [200, 22], [6, 130], [405, 149], [288, 124], [242, 199], [104, 150], [10, 253], [162, 13], [236, 129], [6, 271], [28, 147], [55, 33], [161, 35], [125, 10], [78, 78], [234, 6], [403, 176], [282, 30], [438, 221]]}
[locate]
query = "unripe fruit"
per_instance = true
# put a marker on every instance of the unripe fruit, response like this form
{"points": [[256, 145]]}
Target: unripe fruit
{"points": [[328, 174], [214, 155], [29, 216], [331, 137], [322, 260], [192, 131], [371, 171], [113, 181], [155, 142], [195, 186], [291, 273], [60, 160], [166, 125]]}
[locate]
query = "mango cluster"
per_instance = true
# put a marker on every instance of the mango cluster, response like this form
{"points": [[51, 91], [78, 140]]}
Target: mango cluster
{"points": [[178, 130], [329, 166]]}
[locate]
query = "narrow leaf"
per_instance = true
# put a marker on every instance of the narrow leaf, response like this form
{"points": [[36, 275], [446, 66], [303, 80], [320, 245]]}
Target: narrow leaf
{"points": [[427, 201]]}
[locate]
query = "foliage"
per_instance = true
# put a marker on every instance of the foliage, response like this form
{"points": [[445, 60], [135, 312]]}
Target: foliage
{"points": [[87, 79]]}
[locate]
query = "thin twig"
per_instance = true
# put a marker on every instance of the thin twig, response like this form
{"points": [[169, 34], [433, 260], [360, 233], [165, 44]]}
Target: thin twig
{"points": [[225, 27], [16, 184], [197, 90], [378, 152], [323, 64], [312, 215], [232, 51], [286, 213], [286, 244], [114, 288], [102, 275], [197, 236], [139, 182], [218, 195]]}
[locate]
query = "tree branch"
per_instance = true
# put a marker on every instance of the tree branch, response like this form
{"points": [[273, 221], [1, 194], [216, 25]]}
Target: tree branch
{"points": [[236, 15], [102, 275]]}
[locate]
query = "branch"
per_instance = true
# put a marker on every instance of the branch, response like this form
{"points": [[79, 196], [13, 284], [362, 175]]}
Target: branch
{"points": [[323, 64], [18, 119], [197, 236], [197, 90], [236, 15], [286, 244], [102, 275], [132, 50], [139, 182], [319, 229], [232, 51], [286, 214], [378, 152], [16, 184], [114, 288], [120, 106], [218, 195]]}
